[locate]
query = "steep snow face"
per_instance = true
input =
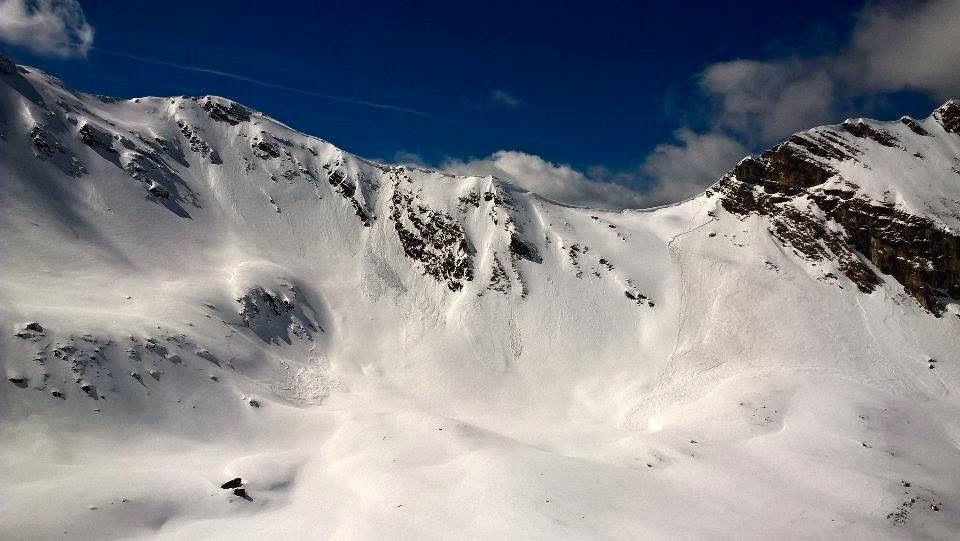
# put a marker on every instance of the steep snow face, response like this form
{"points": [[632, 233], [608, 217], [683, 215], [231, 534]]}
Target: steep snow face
{"points": [[195, 293]]}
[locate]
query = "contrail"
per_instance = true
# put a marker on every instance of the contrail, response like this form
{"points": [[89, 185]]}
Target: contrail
{"points": [[274, 85]]}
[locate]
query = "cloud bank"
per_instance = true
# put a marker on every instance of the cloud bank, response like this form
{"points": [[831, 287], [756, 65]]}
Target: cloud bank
{"points": [[685, 167], [55, 28], [559, 182], [758, 102], [892, 47]]}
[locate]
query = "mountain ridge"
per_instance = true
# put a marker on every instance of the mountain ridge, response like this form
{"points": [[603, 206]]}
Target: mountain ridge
{"points": [[195, 293]]}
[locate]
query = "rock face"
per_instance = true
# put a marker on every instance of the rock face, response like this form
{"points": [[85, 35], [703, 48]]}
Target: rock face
{"points": [[6, 65], [798, 185], [948, 115], [276, 316], [432, 238], [224, 111]]}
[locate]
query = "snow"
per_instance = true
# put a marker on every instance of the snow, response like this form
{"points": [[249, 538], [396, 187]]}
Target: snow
{"points": [[753, 399]]}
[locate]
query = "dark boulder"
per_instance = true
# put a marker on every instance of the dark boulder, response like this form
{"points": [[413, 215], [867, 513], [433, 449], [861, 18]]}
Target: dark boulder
{"points": [[233, 483]]}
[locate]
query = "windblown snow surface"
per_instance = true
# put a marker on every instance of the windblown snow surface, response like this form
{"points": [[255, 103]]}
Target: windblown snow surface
{"points": [[193, 292]]}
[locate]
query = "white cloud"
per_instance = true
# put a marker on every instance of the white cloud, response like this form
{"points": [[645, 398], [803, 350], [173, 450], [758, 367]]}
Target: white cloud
{"points": [[683, 169], [759, 102], [559, 182], [49, 27], [891, 48], [767, 100], [505, 99], [898, 46], [673, 171], [406, 157]]}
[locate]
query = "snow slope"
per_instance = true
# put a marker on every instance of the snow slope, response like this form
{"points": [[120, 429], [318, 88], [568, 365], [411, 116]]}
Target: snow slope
{"points": [[194, 292]]}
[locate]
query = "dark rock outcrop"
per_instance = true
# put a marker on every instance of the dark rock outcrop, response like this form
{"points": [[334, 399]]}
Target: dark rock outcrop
{"points": [[96, 138], [31, 330], [233, 483], [7, 67], [348, 190], [254, 302], [914, 126], [158, 191], [198, 145], [522, 249], [432, 238], [44, 142], [278, 315], [229, 112], [948, 115], [786, 184], [859, 128]]}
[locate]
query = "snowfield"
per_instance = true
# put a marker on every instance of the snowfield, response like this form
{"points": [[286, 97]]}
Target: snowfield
{"points": [[193, 292]]}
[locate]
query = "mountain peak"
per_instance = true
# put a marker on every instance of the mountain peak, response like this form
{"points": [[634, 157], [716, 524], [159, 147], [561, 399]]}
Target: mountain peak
{"points": [[860, 193]]}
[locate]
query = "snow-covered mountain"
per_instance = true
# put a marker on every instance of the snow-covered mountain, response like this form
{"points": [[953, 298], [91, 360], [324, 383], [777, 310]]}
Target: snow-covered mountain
{"points": [[193, 292]]}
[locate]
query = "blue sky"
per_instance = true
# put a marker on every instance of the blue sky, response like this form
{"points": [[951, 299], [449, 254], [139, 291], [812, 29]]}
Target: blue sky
{"points": [[607, 88]]}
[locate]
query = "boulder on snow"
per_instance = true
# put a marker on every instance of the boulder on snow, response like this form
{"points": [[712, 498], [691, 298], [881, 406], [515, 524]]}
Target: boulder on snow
{"points": [[233, 483], [522, 249], [93, 137], [30, 330], [158, 191]]}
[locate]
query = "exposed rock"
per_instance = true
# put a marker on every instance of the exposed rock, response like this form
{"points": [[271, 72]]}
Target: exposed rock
{"points": [[206, 355], [158, 191], [276, 315], [522, 249], [920, 255], [44, 142], [256, 300], [197, 144], [30, 330], [338, 179], [7, 67], [499, 281], [230, 112], [233, 483], [265, 149], [859, 128], [433, 239], [948, 115], [784, 183], [914, 126], [95, 138], [473, 198]]}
